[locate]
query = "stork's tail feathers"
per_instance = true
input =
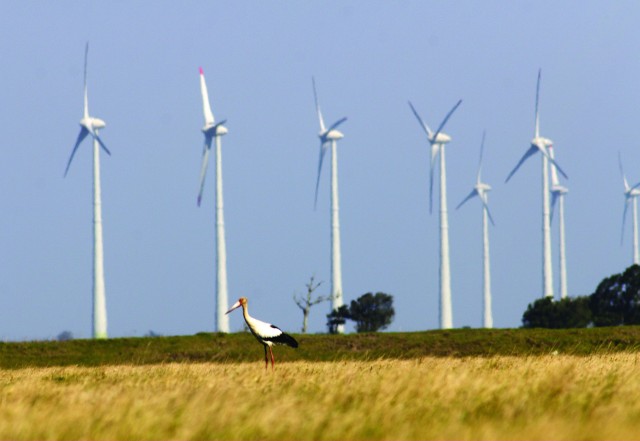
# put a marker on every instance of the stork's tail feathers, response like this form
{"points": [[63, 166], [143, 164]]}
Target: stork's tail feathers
{"points": [[288, 340], [284, 339]]}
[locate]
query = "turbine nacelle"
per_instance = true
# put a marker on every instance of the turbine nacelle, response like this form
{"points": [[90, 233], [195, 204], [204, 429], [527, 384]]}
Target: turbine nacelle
{"points": [[331, 135], [91, 123], [542, 143], [441, 138], [481, 187], [559, 189], [215, 129], [632, 192]]}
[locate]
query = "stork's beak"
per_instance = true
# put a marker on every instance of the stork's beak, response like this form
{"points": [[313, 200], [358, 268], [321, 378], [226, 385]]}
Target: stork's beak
{"points": [[236, 305]]}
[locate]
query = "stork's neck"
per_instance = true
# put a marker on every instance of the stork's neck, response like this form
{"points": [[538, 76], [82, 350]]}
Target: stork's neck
{"points": [[245, 313], [250, 321]]}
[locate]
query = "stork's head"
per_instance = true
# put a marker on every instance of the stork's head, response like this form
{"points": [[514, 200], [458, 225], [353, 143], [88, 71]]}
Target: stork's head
{"points": [[242, 301]]}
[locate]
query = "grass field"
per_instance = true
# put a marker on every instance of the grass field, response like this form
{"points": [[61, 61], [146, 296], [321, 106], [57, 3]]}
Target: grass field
{"points": [[500, 397], [460, 384]]}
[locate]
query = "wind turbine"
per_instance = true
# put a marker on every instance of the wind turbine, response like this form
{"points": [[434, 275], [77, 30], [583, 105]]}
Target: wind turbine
{"points": [[557, 195], [215, 131], [540, 144], [90, 126], [330, 136], [438, 140], [481, 190], [630, 195]]}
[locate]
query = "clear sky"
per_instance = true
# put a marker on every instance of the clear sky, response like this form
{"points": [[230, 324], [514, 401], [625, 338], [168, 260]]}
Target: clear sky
{"points": [[368, 59]]}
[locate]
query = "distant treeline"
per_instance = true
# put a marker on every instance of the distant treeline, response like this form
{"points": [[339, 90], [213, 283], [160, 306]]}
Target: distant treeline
{"points": [[615, 302]]}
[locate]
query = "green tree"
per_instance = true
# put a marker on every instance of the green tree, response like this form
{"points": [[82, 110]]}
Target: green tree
{"points": [[616, 300], [372, 312], [565, 313], [336, 318]]}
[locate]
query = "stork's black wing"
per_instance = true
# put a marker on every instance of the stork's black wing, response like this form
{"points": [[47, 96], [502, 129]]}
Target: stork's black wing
{"points": [[282, 338]]}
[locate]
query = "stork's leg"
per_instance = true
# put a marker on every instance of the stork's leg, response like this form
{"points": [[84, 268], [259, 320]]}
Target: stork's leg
{"points": [[272, 360], [266, 358]]}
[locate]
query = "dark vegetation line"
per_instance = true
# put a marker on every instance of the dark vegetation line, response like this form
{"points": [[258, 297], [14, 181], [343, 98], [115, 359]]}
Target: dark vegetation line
{"points": [[242, 347], [615, 302]]}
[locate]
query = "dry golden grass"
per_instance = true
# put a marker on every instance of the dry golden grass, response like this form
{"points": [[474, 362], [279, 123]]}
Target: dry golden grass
{"points": [[537, 397]]}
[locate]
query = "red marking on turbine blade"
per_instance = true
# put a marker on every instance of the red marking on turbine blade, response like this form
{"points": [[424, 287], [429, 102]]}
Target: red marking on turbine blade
{"points": [[201, 71], [199, 199]]}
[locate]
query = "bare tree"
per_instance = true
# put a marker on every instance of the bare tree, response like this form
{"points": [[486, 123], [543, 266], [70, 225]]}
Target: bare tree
{"points": [[305, 303]]}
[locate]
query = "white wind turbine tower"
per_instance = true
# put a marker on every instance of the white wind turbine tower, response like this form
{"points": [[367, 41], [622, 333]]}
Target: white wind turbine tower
{"points": [[538, 143], [557, 195], [90, 126], [438, 140], [630, 195], [213, 131], [330, 136], [481, 190]]}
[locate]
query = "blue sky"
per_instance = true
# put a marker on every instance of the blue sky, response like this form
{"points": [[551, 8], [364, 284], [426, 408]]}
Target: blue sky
{"points": [[368, 60]]}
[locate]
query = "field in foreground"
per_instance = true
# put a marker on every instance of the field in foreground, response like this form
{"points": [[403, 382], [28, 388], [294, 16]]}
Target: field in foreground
{"points": [[499, 397]]}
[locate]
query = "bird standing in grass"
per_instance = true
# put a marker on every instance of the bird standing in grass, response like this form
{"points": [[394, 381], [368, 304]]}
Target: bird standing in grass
{"points": [[265, 333]]}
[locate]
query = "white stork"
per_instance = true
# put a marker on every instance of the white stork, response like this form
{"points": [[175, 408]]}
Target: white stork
{"points": [[265, 333]]}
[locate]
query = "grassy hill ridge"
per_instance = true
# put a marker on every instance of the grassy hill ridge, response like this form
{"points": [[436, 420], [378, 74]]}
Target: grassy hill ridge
{"points": [[242, 347]]}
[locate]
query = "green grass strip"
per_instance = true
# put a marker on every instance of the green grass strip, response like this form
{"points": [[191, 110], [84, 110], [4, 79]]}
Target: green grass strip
{"points": [[242, 347]]}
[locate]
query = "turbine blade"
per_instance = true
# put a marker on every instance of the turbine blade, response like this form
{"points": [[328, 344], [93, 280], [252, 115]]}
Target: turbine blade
{"points": [[634, 186], [83, 134], [471, 195], [554, 198], [484, 133], [446, 118], [554, 170], [104, 147], [206, 107], [323, 150], [86, 99], [203, 169], [531, 151], [336, 124], [423, 124], [315, 97], [486, 207], [554, 163], [624, 178], [624, 217], [537, 133]]}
